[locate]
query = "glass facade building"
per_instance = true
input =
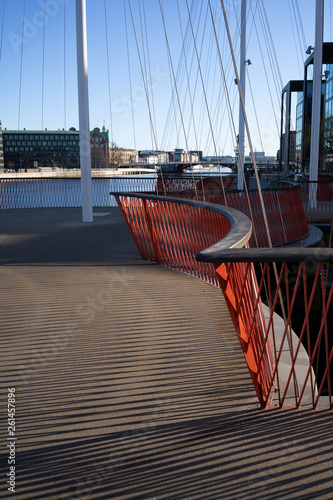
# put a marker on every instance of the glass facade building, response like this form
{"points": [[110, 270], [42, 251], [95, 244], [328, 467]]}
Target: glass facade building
{"points": [[328, 122], [303, 89]]}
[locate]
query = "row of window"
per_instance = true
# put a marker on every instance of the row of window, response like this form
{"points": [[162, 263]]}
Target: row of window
{"points": [[40, 143], [37, 137], [25, 148]]}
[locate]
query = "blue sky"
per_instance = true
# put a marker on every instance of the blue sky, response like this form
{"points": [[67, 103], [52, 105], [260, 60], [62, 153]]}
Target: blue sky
{"points": [[49, 36]]}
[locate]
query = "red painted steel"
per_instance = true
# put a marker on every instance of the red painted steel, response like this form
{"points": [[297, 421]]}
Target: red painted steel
{"points": [[286, 363], [284, 207], [178, 183], [242, 295], [289, 359], [323, 212], [171, 234]]}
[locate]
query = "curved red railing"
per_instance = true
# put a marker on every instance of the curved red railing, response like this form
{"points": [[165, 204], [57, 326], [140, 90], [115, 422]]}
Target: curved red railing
{"points": [[284, 206], [285, 209], [170, 231], [281, 318], [321, 211]]}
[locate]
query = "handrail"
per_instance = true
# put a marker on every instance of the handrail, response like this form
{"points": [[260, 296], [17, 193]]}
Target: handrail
{"points": [[289, 360], [266, 255], [240, 225]]}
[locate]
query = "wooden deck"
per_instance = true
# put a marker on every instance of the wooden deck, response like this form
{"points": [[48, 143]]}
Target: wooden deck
{"points": [[129, 379]]}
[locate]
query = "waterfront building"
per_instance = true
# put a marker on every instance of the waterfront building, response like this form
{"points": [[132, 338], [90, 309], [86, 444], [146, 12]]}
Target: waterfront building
{"points": [[99, 144], [27, 149], [128, 156], [2, 164], [34, 149], [151, 157], [303, 91]]}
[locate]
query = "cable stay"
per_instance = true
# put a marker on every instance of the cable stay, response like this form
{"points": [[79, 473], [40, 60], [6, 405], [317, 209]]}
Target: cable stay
{"points": [[192, 118], [233, 126], [205, 97], [2, 27], [129, 75], [153, 134], [180, 77], [177, 93]]}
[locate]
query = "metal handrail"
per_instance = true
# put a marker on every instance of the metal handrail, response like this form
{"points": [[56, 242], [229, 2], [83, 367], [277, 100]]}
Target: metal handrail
{"points": [[265, 255], [241, 226], [286, 369]]}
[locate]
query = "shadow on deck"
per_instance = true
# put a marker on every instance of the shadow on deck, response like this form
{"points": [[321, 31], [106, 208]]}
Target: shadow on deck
{"points": [[130, 382]]}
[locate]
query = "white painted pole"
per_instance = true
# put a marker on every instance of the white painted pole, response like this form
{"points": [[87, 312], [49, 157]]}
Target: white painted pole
{"points": [[241, 135], [316, 102], [82, 73]]}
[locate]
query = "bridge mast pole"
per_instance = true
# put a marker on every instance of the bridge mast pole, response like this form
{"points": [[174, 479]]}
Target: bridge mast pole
{"points": [[316, 103], [82, 72], [241, 135]]}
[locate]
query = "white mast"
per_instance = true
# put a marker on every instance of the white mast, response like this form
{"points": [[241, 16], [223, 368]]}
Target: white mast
{"points": [[316, 102], [82, 71], [241, 136]]}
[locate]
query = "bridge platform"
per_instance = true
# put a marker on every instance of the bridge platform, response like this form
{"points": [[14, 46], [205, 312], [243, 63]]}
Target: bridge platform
{"points": [[129, 380]]}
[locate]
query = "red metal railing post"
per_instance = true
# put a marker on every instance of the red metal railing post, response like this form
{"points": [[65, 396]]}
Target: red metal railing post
{"points": [[152, 231]]}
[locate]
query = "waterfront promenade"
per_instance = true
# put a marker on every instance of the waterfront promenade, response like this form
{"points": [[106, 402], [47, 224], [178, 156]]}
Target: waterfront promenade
{"points": [[130, 383]]}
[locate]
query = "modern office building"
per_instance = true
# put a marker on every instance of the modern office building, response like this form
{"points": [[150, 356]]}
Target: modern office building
{"points": [[30, 149], [303, 91], [2, 164], [27, 149]]}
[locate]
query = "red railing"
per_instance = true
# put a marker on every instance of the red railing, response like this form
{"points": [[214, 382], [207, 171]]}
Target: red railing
{"points": [[318, 200], [171, 231], [284, 206], [281, 318], [282, 321]]}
